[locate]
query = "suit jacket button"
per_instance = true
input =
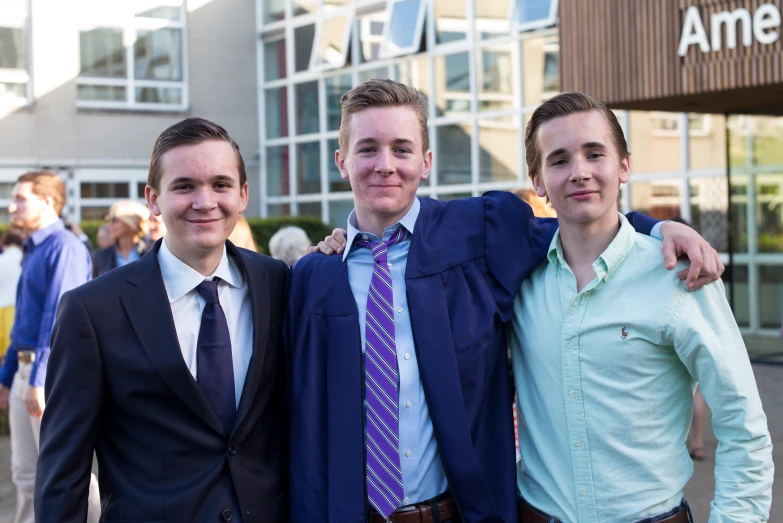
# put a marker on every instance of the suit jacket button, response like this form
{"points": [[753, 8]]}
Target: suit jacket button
{"points": [[231, 451], [227, 515]]}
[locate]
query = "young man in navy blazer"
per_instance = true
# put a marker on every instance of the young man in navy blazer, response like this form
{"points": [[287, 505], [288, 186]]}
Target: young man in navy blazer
{"points": [[171, 368], [400, 397]]}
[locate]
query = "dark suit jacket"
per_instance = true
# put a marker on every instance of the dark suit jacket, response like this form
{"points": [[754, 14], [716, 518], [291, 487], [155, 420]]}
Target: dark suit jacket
{"points": [[105, 260], [466, 263], [118, 384]]}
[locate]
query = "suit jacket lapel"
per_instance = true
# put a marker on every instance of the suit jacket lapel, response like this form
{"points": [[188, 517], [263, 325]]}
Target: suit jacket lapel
{"points": [[257, 278], [147, 306]]}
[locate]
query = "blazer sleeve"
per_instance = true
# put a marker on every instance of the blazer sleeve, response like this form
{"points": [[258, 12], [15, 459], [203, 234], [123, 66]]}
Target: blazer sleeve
{"points": [[74, 391]]}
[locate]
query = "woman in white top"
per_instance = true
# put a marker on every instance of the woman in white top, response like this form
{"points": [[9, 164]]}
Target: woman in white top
{"points": [[10, 269]]}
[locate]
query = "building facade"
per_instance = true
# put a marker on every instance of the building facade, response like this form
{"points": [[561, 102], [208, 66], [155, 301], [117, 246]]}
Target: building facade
{"points": [[86, 86], [485, 67]]}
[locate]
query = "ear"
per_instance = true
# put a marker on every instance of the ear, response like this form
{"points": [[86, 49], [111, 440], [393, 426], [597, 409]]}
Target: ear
{"points": [[427, 165], [625, 169], [152, 200], [339, 161], [538, 185], [243, 195]]}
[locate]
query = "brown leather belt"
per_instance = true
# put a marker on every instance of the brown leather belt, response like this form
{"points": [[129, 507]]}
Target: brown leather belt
{"points": [[421, 513], [528, 514], [25, 356]]}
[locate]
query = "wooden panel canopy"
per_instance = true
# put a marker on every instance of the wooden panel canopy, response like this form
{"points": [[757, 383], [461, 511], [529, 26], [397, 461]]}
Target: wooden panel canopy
{"points": [[714, 56]]}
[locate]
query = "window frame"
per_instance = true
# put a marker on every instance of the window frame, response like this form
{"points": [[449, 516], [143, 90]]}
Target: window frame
{"points": [[542, 23], [19, 76], [130, 28], [385, 51], [331, 14]]}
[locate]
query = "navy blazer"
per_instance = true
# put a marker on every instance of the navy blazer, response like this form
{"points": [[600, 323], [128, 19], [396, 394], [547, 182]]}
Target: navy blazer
{"points": [[466, 263], [118, 384]]}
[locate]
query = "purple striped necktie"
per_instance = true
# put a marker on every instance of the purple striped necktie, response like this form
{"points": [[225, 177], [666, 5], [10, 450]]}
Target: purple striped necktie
{"points": [[383, 473]]}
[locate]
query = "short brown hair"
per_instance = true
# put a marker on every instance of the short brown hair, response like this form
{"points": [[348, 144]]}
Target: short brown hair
{"points": [[46, 184], [564, 105], [190, 131], [13, 236], [381, 93]]}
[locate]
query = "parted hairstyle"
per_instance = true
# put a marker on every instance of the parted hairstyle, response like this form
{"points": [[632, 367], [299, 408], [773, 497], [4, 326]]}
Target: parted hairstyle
{"points": [[190, 131], [382, 93], [564, 105], [46, 184]]}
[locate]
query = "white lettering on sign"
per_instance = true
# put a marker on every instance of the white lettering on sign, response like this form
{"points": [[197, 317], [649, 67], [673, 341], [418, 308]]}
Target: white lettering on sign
{"points": [[762, 27]]}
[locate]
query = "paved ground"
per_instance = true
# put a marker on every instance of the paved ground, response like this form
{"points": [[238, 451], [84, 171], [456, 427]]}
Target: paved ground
{"points": [[699, 491]]}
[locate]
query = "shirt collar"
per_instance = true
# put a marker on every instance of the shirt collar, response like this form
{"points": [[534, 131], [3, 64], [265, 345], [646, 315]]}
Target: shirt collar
{"points": [[180, 278], [38, 237], [609, 260], [408, 221]]}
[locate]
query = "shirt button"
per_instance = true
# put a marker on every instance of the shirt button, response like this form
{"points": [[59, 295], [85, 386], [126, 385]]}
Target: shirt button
{"points": [[569, 344], [407, 355], [408, 453], [584, 492], [364, 237], [399, 309], [578, 443], [406, 500], [573, 394], [569, 296], [390, 265], [409, 404]]}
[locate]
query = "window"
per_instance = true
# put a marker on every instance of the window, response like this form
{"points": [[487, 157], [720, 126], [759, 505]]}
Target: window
{"points": [[15, 86], [535, 14], [136, 59], [331, 42], [403, 32]]}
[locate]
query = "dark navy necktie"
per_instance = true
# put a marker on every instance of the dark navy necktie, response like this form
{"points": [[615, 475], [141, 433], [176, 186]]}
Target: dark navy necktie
{"points": [[214, 364]]}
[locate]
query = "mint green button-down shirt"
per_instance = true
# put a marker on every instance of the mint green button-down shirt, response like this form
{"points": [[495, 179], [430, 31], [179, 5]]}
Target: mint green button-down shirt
{"points": [[605, 380]]}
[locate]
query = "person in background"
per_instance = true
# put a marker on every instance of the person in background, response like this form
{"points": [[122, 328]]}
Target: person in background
{"points": [[76, 229], [55, 261], [538, 204], [103, 237], [289, 244], [10, 269], [157, 229], [127, 225], [242, 236]]}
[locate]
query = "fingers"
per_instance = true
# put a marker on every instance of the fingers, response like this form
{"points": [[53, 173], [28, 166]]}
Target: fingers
{"points": [[323, 247], [334, 244], [669, 253], [312, 249], [694, 253], [33, 408]]}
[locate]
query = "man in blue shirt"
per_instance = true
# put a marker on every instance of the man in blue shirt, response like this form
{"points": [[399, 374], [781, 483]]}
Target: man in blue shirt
{"points": [[607, 347], [55, 261], [400, 403]]}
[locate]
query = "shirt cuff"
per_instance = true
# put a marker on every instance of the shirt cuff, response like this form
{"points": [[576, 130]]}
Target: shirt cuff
{"points": [[655, 232], [38, 372]]}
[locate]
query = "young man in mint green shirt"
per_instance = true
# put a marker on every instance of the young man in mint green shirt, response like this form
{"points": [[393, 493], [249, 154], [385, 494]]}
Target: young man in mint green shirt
{"points": [[611, 350]]}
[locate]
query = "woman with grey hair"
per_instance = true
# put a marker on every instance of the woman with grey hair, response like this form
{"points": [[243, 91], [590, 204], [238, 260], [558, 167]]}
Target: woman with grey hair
{"points": [[289, 244], [128, 221]]}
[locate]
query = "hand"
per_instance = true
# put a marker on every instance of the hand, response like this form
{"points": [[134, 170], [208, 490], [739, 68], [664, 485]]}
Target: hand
{"points": [[4, 393], [331, 244], [678, 240], [34, 400]]}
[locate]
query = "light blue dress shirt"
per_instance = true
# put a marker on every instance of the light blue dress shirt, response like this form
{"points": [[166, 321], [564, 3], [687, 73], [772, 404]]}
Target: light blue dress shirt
{"points": [[423, 477], [605, 380]]}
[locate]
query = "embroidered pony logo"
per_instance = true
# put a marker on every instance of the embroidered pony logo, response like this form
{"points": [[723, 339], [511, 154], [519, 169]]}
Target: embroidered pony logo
{"points": [[624, 334]]}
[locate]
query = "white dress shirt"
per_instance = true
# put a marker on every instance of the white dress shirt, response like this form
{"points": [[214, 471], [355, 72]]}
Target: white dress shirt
{"points": [[187, 305]]}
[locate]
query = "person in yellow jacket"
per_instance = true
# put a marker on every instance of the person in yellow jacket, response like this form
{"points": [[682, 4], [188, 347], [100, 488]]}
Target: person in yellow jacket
{"points": [[10, 268]]}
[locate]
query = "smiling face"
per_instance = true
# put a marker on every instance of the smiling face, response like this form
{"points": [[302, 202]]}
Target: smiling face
{"points": [[200, 197], [581, 170], [384, 163]]}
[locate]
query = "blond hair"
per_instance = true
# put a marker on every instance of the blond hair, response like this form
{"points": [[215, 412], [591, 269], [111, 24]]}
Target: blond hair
{"points": [[538, 204], [133, 214], [382, 93], [242, 235]]}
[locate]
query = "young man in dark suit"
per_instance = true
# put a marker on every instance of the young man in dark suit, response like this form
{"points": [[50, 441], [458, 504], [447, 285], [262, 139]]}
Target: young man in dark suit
{"points": [[171, 368]]}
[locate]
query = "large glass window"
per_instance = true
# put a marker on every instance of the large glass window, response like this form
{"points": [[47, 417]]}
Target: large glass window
{"points": [[339, 210], [453, 154], [276, 108], [308, 168], [277, 171], [654, 142], [14, 69], [153, 63], [709, 203], [541, 73], [495, 77], [303, 46], [273, 10], [707, 141], [658, 198], [492, 18], [274, 59], [499, 149], [370, 28], [336, 182], [415, 73], [770, 293], [450, 20], [306, 108], [769, 212], [332, 44], [336, 87], [738, 199], [536, 13]]}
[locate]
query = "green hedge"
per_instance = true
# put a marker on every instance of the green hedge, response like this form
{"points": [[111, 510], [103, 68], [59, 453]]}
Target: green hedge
{"points": [[263, 229]]}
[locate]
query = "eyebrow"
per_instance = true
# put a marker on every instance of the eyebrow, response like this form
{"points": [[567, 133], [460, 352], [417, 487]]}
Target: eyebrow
{"points": [[370, 141], [586, 145], [213, 179]]}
